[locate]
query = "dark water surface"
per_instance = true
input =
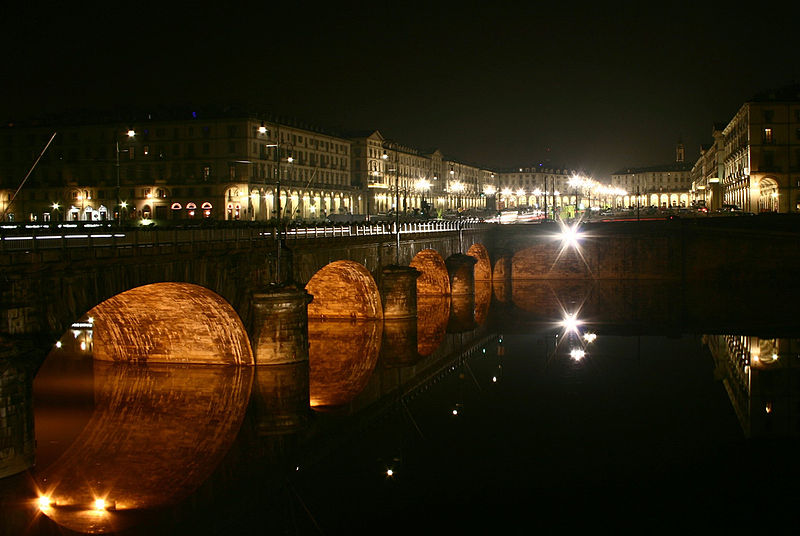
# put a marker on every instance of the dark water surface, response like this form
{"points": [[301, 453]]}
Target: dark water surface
{"points": [[681, 414]]}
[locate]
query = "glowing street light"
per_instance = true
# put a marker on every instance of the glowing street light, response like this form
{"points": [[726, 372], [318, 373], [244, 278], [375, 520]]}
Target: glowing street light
{"points": [[44, 502], [131, 134], [570, 235], [570, 323]]}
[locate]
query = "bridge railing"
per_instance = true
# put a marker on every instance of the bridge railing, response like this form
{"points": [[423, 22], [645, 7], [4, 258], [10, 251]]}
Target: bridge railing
{"points": [[48, 237]]}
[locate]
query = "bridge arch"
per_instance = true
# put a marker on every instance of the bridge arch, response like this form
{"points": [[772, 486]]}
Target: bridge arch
{"points": [[434, 280], [344, 290], [169, 323], [483, 268]]}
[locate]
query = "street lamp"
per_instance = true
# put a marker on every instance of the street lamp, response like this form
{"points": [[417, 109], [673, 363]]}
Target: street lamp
{"points": [[489, 190], [279, 224], [385, 157], [576, 182], [505, 193], [422, 186], [131, 134], [458, 188]]}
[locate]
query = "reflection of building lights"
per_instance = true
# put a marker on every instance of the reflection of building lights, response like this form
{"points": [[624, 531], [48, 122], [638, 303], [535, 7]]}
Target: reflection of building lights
{"points": [[589, 337], [577, 354], [83, 345]]}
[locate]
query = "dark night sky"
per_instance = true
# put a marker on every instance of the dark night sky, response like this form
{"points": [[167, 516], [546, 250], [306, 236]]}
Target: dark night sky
{"points": [[604, 87]]}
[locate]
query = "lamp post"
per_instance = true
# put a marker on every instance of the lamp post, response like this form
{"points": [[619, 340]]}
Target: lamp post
{"points": [[490, 190], [279, 223], [131, 134], [422, 186], [385, 157]]}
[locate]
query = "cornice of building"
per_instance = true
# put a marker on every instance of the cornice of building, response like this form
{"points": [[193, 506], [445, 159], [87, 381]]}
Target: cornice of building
{"points": [[674, 166]]}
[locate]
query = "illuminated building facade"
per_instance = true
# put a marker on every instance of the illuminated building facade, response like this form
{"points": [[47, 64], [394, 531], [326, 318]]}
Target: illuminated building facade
{"points": [[222, 168], [555, 189], [708, 171], [762, 153], [427, 181], [527, 187], [664, 186]]}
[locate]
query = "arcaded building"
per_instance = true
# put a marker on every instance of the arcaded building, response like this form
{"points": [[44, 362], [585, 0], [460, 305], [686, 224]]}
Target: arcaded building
{"points": [[762, 153]]}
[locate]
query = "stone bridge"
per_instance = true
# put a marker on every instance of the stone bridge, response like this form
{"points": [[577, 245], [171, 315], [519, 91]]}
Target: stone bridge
{"points": [[176, 290], [156, 287]]}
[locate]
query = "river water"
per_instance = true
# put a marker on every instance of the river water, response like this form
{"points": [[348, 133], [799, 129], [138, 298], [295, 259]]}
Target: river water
{"points": [[540, 405]]}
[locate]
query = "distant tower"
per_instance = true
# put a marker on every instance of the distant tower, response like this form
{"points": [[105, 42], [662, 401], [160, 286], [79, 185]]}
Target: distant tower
{"points": [[680, 153]]}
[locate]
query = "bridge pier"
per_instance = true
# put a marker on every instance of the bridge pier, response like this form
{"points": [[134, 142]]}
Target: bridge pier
{"points": [[461, 270], [399, 291], [16, 415], [281, 398], [279, 328], [399, 345]]}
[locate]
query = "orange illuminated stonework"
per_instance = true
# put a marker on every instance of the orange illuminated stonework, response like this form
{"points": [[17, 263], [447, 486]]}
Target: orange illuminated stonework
{"points": [[154, 435], [434, 280], [169, 323], [432, 315], [483, 298], [344, 290], [341, 358], [483, 268]]}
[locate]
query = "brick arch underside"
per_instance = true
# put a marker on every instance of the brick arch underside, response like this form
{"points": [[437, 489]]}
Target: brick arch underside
{"points": [[170, 323], [344, 290], [434, 280], [483, 268], [155, 435]]}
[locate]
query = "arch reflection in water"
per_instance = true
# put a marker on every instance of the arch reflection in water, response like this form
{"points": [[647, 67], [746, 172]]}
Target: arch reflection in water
{"points": [[342, 356], [502, 290], [483, 299], [432, 315], [154, 435], [171, 323]]}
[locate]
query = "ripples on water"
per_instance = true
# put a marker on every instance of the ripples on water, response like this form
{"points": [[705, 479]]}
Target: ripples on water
{"points": [[680, 411]]}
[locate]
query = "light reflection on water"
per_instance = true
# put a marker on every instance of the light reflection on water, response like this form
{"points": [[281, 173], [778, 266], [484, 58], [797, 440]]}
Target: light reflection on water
{"points": [[135, 435], [523, 418]]}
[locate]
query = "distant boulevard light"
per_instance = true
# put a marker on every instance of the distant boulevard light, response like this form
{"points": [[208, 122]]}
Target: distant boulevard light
{"points": [[571, 323], [570, 235]]}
